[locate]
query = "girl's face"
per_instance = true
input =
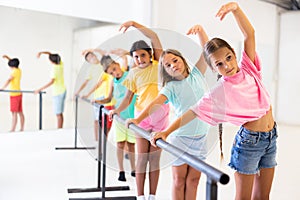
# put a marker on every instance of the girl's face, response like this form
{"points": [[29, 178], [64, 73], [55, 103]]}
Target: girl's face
{"points": [[174, 66], [141, 58], [115, 71], [224, 61]]}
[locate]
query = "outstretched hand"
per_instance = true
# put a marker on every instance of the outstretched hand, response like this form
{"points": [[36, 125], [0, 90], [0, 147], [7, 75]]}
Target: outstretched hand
{"points": [[126, 25], [225, 9], [195, 30]]}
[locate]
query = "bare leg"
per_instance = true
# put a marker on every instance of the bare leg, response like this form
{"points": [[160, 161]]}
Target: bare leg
{"points": [[179, 174], [120, 155], [22, 121], [60, 120], [131, 154], [262, 184], [244, 185], [142, 159], [14, 121], [192, 181], [154, 158], [96, 129]]}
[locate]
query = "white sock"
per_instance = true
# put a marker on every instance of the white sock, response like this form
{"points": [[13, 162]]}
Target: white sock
{"points": [[151, 197], [140, 197]]}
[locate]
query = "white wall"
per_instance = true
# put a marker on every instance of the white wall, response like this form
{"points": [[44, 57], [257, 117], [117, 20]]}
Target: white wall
{"points": [[289, 68], [115, 11], [24, 33], [174, 15]]}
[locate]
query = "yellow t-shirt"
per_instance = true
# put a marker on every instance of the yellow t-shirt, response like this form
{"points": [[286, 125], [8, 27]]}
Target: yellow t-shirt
{"points": [[103, 90], [15, 82], [144, 83], [57, 74]]}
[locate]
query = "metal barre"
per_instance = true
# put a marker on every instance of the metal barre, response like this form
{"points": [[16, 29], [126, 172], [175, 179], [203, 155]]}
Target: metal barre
{"points": [[40, 102], [211, 172], [21, 91]]}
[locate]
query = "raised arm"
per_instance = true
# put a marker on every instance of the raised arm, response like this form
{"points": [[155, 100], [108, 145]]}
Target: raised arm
{"points": [[203, 38], [155, 42], [43, 52], [6, 57], [122, 53], [243, 23]]}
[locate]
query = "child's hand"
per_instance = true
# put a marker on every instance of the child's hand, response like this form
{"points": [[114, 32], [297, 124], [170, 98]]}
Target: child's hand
{"points": [[39, 54], [37, 91], [225, 9], [155, 136], [195, 30], [130, 121], [111, 114], [126, 25], [85, 96]]}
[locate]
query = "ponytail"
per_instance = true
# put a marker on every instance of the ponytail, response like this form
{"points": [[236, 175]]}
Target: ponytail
{"points": [[221, 131]]}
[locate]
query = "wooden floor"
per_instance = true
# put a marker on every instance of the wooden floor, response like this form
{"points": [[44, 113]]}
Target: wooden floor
{"points": [[32, 169]]}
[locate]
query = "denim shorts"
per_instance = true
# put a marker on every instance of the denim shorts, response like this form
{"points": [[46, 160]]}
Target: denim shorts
{"points": [[252, 151], [59, 103]]}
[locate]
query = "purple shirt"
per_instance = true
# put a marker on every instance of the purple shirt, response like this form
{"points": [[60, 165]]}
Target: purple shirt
{"points": [[236, 99]]}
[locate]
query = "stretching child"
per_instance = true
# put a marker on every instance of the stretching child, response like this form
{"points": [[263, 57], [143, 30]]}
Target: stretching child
{"points": [[241, 99], [123, 135], [142, 80], [14, 82], [100, 90], [58, 86], [183, 87]]}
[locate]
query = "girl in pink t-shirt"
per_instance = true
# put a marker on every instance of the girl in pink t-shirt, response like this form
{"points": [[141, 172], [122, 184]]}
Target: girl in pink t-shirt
{"points": [[241, 99]]}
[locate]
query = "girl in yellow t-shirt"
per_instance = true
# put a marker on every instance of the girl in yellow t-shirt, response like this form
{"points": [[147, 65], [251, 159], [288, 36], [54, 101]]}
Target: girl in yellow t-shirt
{"points": [[142, 80]]}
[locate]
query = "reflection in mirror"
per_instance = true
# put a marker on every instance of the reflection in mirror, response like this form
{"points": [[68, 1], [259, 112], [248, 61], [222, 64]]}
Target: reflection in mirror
{"points": [[23, 34]]}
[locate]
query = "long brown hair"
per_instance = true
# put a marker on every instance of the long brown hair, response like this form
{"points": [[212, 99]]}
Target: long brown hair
{"points": [[164, 77], [220, 131]]}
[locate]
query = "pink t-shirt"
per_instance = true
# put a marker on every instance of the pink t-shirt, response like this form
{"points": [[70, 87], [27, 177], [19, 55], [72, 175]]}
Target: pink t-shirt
{"points": [[236, 99]]}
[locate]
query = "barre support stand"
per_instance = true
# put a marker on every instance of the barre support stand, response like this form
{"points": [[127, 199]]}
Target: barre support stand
{"points": [[102, 156]]}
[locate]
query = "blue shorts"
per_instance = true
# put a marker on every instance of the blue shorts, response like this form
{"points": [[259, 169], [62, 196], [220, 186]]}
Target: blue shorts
{"points": [[252, 151], [59, 103], [194, 145]]}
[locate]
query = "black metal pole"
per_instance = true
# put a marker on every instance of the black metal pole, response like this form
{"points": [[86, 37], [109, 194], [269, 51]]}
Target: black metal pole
{"points": [[40, 110], [102, 133], [76, 130], [99, 147], [211, 189], [104, 142], [76, 117]]}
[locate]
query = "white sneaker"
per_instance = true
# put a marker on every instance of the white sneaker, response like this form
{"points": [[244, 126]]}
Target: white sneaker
{"points": [[140, 197], [151, 197]]}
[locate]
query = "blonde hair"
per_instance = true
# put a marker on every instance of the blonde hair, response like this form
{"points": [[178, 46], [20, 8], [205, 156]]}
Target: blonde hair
{"points": [[164, 77]]}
